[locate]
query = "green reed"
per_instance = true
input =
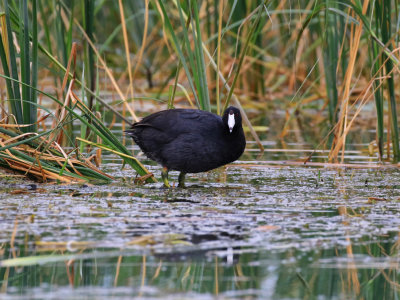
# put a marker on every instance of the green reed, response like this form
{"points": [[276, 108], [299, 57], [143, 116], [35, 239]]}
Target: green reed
{"points": [[22, 99]]}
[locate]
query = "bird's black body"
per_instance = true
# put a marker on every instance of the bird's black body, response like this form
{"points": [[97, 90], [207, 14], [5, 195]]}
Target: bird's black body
{"points": [[190, 140]]}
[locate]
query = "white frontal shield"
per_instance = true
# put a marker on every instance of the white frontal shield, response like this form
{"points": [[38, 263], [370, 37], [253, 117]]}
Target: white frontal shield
{"points": [[231, 122]]}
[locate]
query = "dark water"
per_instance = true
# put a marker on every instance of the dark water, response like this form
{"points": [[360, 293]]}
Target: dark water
{"points": [[249, 231]]}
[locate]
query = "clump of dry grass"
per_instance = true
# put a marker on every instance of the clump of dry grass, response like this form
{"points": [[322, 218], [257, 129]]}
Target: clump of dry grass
{"points": [[34, 156]]}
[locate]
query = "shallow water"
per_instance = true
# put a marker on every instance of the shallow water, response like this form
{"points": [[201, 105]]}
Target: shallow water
{"points": [[253, 230]]}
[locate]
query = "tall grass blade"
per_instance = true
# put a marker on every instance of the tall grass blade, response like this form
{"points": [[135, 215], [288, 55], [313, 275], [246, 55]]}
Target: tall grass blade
{"points": [[34, 71], [378, 95], [377, 71], [83, 125], [387, 40], [46, 27], [89, 29], [4, 61], [200, 63], [16, 101], [69, 38], [331, 59], [25, 65], [61, 48], [127, 52], [244, 51], [217, 92], [191, 56]]}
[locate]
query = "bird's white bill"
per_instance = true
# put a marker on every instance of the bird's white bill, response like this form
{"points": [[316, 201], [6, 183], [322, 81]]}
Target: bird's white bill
{"points": [[231, 122]]}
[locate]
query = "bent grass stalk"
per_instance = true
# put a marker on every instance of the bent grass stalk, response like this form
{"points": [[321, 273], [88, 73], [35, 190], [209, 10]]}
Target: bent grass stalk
{"points": [[126, 44]]}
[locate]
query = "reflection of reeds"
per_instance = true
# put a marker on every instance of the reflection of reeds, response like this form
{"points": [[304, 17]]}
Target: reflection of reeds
{"points": [[143, 281], [353, 283], [216, 276]]}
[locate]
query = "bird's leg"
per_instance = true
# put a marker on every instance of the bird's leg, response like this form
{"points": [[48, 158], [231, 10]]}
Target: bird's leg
{"points": [[164, 176], [181, 180]]}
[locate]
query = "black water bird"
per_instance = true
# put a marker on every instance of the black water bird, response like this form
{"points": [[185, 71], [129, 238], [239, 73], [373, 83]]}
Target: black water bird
{"points": [[190, 140]]}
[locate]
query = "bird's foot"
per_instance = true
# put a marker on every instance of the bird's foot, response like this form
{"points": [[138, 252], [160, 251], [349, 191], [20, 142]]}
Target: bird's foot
{"points": [[181, 185], [164, 176], [181, 180], [166, 183]]}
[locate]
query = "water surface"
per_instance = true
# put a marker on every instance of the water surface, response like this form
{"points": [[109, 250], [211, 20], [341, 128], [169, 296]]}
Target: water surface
{"points": [[252, 230]]}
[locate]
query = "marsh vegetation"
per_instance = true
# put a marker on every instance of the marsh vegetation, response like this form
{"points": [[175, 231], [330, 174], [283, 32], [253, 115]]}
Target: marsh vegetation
{"points": [[309, 210]]}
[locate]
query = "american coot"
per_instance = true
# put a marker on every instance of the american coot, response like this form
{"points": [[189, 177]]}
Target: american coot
{"points": [[190, 140]]}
